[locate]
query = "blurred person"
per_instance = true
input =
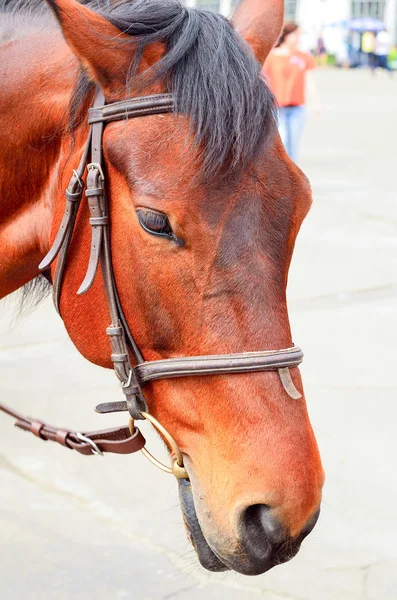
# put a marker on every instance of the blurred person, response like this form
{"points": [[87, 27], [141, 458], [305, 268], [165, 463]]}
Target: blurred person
{"points": [[368, 47], [353, 42], [382, 51], [288, 71], [321, 51]]}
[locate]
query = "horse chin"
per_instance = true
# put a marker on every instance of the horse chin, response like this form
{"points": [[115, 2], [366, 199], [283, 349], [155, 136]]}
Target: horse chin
{"points": [[206, 556]]}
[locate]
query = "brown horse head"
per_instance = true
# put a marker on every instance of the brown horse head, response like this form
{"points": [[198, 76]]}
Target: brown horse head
{"points": [[205, 207]]}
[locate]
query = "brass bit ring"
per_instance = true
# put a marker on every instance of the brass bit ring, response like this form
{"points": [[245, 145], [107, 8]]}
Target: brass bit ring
{"points": [[177, 467]]}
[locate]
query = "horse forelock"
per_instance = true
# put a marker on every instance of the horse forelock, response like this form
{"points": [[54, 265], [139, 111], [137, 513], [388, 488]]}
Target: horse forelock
{"points": [[209, 69], [212, 74]]}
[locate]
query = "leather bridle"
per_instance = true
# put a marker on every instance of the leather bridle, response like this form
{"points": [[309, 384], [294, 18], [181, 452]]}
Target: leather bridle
{"points": [[130, 367]]}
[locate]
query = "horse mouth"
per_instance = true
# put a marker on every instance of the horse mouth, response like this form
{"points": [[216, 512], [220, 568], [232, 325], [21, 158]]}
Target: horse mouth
{"points": [[210, 559], [206, 555]]}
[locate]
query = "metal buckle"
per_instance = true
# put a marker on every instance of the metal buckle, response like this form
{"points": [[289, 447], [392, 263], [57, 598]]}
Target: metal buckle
{"points": [[94, 447], [93, 166], [126, 384]]}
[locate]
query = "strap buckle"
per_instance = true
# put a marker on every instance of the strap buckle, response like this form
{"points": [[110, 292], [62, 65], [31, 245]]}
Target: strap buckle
{"points": [[96, 167], [87, 440], [126, 384]]}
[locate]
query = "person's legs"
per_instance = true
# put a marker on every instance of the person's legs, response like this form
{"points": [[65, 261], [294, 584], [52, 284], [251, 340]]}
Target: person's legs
{"points": [[383, 62], [372, 61], [297, 120], [284, 127]]}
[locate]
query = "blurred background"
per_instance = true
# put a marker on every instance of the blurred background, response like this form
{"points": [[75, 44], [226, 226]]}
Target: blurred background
{"points": [[111, 528], [338, 21]]}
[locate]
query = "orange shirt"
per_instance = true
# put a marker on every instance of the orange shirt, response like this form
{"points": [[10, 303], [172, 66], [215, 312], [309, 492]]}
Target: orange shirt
{"points": [[286, 76]]}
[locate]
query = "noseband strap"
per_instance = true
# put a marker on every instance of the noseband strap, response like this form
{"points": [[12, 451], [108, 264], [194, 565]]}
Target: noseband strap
{"points": [[129, 364], [219, 364]]}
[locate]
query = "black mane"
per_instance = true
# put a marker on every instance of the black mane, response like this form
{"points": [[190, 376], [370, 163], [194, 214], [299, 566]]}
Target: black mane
{"points": [[210, 70]]}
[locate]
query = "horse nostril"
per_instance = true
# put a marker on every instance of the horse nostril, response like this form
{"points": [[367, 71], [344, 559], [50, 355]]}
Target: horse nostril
{"points": [[265, 541], [260, 530]]}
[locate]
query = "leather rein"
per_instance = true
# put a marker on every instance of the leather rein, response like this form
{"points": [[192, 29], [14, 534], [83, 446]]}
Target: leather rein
{"points": [[130, 367]]}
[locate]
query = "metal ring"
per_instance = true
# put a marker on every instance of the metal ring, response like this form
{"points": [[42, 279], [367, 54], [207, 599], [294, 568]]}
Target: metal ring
{"points": [[94, 447], [177, 467]]}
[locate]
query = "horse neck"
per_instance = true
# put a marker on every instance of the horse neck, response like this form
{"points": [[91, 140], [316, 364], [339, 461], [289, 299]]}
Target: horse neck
{"points": [[34, 142]]}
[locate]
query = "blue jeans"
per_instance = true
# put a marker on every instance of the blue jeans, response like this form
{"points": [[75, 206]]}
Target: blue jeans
{"points": [[291, 123], [382, 62]]}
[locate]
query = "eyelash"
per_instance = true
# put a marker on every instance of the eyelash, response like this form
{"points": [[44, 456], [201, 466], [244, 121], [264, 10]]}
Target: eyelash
{"points": [[164, 231]]}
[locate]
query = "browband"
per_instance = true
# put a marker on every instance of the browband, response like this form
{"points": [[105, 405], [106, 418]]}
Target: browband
{"points": [[135, 107]]}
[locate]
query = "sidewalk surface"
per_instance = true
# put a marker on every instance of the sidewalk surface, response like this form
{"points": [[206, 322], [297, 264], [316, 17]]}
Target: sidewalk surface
{"points": [[111, 529]]}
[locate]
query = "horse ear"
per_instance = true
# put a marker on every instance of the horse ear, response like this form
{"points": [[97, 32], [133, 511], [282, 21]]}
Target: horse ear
{"points": [[100, 46], [260, 23]]}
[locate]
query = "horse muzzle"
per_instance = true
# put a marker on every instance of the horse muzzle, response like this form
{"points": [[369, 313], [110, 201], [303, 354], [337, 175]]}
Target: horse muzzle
{"points": [[261, 541]]}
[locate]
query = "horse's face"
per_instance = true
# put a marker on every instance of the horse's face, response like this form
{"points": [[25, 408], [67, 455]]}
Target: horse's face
{"points": [[217, 287], [213, 283]]}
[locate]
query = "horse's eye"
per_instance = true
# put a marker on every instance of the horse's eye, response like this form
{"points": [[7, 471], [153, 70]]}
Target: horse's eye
{"points": [[154, 222], [157, 223]]}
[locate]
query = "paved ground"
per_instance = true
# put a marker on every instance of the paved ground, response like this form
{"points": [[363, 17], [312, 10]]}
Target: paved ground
{"points": [[71, 528]]}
